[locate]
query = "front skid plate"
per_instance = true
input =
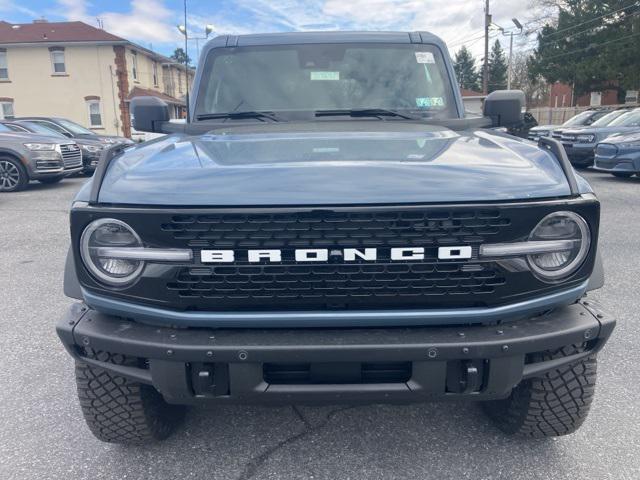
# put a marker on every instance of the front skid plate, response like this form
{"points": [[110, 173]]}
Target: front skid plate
{"points": [[172, 353]]}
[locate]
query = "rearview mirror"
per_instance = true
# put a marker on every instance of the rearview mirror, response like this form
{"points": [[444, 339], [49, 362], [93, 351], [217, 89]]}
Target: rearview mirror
{"points": [[505, 108], [147, 114]]}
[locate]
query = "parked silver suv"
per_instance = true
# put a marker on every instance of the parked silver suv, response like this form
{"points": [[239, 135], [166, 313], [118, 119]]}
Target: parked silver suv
{"points": [[25, 157]]}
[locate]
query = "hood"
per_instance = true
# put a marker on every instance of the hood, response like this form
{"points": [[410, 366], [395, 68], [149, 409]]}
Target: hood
{"points": [[601, 132], [427, 164], [89, 141], [104, 139], [34, 138], [543, 127], [624, 138]]}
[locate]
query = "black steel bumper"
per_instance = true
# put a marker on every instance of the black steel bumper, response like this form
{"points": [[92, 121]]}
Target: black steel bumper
{"points": [[191, 366]]}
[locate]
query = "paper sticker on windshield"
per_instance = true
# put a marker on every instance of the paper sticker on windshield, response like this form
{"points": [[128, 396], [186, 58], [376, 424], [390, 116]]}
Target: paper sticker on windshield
{"points": [[425, 57], [429, 102], [325, 75]]}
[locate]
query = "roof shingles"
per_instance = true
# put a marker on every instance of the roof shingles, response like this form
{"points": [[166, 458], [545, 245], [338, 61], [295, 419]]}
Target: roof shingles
{"points": [[45, 32]]}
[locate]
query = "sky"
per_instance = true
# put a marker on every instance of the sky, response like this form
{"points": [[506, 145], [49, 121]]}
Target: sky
{"points": [[152, 23]]}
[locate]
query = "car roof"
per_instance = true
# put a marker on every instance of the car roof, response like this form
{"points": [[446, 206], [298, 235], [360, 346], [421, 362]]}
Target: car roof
{"points": [[288, 38]]}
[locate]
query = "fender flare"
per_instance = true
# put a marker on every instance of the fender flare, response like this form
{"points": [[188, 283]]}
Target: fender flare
{"points": [[71, 283], [596, 280]]}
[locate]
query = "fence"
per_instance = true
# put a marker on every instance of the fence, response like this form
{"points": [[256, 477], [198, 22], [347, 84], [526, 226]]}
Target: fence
{"points": [[557, 116]]}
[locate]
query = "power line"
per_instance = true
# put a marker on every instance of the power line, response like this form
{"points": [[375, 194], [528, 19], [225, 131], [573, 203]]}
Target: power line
{"points": [[463, 38], [557, 32], [593, 46]]}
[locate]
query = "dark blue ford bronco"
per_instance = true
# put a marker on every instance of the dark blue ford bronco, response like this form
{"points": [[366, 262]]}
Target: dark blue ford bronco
{"points": [[330, 227]]}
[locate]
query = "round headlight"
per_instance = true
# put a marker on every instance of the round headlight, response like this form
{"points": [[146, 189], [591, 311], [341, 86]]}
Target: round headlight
{"points": [[96, 239], [561, 263]]}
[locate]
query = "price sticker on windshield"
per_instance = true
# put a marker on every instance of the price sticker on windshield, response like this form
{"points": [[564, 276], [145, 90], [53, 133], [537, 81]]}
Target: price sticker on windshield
{"points": [[325, 76], [425, 57]]}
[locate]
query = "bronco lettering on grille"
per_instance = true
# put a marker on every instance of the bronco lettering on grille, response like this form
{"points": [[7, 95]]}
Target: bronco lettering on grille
{"points": [[322, 254]]}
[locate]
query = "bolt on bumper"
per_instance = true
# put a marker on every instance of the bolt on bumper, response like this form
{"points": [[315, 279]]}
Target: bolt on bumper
{"points": [[192, 366]]}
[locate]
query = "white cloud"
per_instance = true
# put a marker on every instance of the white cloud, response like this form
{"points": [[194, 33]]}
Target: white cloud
{"points": [[148, 21], [9, 6]]}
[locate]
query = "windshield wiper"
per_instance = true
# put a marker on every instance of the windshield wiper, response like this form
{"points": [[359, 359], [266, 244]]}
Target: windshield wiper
{"points": [[367, 112], [240, 116]]}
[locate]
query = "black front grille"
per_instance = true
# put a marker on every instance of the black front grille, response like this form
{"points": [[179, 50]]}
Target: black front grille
{"points": [[335, 284], [338, 284], [337, 229], [606, 150]]}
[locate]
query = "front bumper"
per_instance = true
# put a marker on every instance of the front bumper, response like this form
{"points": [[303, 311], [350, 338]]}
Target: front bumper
{"points": [[620, 164], [581, 154], [90, 161], [331, 365]]}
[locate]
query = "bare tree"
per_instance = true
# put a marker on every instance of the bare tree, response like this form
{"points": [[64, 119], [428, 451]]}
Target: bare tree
{"points": [[535, 89]]}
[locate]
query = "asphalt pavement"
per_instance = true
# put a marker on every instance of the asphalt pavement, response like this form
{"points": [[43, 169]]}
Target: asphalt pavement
{"points": [[43, 435]]}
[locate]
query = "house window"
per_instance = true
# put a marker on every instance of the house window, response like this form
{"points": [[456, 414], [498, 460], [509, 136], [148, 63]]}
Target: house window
{"points": [[57, 61], [4, 68], [6, 110], [95, 117], [134, 65], [155, 74]]}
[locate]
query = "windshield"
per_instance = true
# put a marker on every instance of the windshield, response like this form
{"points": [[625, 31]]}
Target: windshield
{"points": [[580, 119], [5, 129], [74, 127], [629, 119], [608, 118], [37, 128], [311, 78]]}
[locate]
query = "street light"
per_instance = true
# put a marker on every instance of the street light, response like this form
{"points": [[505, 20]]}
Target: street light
{"points": [[510, 72], [208, 30], [519, 27], [183, 30]]}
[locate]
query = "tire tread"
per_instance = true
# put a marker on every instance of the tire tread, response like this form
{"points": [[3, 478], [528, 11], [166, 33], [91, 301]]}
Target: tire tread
{"points": [[554, 404], [119, 410]]}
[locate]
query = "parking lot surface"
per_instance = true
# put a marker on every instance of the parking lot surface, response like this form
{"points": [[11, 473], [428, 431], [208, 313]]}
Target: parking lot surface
{"points": [[42, 434]]}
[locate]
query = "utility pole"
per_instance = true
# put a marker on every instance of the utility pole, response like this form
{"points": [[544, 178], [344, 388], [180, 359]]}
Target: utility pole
{"points": [[485, 72], [510, 57], [186, 59]]}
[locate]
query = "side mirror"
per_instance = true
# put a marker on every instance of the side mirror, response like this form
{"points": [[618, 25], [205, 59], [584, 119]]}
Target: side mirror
{"points": [[505, 108], [147, 114]]}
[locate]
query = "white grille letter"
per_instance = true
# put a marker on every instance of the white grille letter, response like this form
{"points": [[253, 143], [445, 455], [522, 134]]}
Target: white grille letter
{"points": [[370, 254], [312, 255], [217, 256], [415, 253], [271, 255]]}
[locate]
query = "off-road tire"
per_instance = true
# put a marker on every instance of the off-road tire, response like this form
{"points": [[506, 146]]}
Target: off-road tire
{"points": [[51, 180], [119, 410], [16, 166], [552, 405]]}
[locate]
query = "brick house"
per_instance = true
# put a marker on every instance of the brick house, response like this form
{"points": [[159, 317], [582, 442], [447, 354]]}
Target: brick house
{"points": [[561, 95], [83, 73]]}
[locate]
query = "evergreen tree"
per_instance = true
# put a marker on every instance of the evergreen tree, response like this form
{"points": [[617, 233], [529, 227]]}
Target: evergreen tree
{"points": [[497, 68], [179, 56], [592, 45], [465, 68]]}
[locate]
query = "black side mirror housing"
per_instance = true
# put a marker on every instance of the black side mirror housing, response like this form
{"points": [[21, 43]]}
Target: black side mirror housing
{"points": [[505, 108], [148, 113]]}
